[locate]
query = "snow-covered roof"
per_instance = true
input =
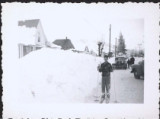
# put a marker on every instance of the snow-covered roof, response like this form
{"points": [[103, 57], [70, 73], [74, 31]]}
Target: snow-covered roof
{"points": [[64, 43], [29, 23], [26, 35], [53, 45]]}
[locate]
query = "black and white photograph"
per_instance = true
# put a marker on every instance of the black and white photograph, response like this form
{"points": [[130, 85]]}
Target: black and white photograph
{"points": [[99, 60]]}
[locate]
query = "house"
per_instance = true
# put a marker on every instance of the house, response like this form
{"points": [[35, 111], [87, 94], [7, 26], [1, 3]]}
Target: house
{"points": [[65, 44], [86, 49], [40, 38]]}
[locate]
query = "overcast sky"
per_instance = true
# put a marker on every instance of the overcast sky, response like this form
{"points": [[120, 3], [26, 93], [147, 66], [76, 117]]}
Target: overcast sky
{"points": [[83, 22]]}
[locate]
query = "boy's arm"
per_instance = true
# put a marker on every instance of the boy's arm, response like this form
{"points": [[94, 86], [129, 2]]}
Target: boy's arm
{"points": [[99, 68], [111, 69]]}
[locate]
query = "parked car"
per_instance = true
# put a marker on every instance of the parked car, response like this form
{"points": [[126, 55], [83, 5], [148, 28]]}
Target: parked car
{"points": [[120, 63], [138, 69]]}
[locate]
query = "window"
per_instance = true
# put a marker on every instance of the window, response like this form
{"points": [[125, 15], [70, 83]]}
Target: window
{"points": [[38, 39]]}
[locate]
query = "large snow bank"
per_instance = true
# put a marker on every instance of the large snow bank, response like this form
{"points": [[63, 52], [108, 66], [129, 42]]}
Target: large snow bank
{"points": [[82, 44], [53, 75], [138, 59]]}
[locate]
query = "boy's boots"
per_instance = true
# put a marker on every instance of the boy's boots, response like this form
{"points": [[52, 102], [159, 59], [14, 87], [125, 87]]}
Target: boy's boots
{"points": [[107, 97], [102, 98]]}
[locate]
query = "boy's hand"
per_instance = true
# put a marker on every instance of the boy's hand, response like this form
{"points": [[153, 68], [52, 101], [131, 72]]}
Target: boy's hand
{"points": [[99, 67]]}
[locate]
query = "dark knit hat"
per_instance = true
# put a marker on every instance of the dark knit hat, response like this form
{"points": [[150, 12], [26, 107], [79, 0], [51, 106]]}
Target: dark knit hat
{"points": [[105, 56]]}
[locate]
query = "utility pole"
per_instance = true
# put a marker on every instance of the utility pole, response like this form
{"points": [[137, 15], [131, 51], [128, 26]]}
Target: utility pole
{"points": [[139, 45], [110, 38], [115, 47]]}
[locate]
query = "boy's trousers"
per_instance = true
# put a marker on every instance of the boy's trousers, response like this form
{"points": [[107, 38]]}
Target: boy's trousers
{"points": [[105, 84]]}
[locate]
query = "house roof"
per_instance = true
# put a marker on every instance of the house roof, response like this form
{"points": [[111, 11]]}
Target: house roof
{"points": [[29, 23], [64, 43]]}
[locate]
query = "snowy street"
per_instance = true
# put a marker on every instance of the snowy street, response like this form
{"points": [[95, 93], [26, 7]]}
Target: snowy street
{"points": [[127, 88], [124, 88], [68, 77]]}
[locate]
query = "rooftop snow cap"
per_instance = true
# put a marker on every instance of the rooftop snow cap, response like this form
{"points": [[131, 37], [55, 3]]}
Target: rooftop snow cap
{"points": [[29, 23]]}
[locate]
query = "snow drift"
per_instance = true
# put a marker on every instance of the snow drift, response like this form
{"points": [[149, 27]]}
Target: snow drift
{"points": [[53, 75]]}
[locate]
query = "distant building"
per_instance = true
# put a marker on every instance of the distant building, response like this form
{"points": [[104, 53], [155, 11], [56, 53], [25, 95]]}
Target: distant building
{"points": [[65, 44], [86, 49], [93, 53]]}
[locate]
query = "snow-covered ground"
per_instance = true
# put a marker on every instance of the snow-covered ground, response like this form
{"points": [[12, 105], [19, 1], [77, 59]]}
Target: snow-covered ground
{"points": [[125, 88], [58, 76]]}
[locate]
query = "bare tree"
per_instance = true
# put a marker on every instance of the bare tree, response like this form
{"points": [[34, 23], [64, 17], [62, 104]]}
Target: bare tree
{"points": [[100, 48]]}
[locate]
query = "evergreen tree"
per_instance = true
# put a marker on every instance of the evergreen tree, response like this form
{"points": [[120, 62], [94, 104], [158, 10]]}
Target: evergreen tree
{"points": [[121, 45]]}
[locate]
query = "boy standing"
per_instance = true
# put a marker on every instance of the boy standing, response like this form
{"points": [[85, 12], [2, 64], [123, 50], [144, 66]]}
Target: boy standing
{"points": [[105, 68]]}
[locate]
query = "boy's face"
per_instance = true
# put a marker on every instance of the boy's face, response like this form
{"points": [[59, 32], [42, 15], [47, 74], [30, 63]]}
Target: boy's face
{"points": [[105, 59]]}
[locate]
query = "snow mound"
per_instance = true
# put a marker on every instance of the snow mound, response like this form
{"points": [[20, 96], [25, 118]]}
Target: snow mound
{"points": [[138, 59], [53, 75]]}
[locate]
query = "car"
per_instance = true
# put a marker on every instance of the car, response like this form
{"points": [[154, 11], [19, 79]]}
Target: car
{"points": [[120, 63], [138, 69]]}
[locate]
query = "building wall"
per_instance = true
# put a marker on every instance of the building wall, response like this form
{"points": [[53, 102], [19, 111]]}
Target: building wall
{"points": [[20, 48], [40, 36], [26, 49]]}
